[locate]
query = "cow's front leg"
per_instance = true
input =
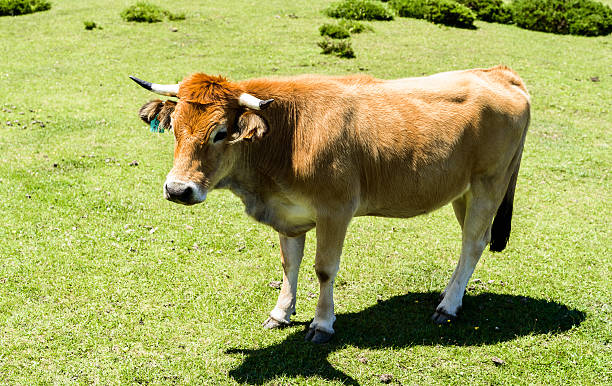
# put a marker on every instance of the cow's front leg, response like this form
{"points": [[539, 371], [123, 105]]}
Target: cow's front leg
{"points": [[292, 251], [330, 238]]}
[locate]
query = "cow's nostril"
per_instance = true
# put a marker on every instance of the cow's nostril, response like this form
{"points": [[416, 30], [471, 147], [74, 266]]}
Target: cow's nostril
{"points": [[185, 196]]}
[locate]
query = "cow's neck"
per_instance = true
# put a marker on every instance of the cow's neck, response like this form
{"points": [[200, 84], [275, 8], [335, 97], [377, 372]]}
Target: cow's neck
{"points": [[264, 173]]}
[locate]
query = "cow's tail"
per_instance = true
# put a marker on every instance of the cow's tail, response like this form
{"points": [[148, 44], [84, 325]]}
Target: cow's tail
{"points": [[500, 230]]}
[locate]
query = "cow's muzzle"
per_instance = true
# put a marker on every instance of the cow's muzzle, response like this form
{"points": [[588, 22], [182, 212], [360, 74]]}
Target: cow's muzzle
{"points": [[186, 193]]}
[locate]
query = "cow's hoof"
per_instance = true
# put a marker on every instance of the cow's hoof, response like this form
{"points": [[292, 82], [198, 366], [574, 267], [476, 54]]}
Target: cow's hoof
{"points": [[442, 295], [441, 317], [316, 336], [270, 324]]}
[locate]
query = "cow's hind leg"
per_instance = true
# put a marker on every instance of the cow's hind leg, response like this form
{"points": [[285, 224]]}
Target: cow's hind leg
{"points": [[292, 251], [481, 202]]}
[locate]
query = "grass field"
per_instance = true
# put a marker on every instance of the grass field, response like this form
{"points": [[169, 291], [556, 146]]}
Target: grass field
{"points": [[103, 281]]}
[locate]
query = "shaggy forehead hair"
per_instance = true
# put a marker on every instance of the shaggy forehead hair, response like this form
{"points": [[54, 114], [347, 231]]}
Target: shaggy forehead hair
{"points": [[206, 89]]}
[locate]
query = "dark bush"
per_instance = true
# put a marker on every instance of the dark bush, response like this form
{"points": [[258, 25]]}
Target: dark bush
{"points": [[451, 13], [341, 48], [145, 12], [175, 16], [334, 31], [445, 12], [89, 25], [416, 9], [359, 10], [22, 7], [355, 27], [576, 17], [589, 18], [493, 11]]}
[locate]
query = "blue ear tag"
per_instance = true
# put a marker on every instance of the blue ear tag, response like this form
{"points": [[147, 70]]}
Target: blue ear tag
{"points": [[155, 128]]}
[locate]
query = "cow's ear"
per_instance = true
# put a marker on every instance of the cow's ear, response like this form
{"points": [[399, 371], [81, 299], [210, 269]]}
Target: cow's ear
{"points": [[250, 127], [157, 109]]}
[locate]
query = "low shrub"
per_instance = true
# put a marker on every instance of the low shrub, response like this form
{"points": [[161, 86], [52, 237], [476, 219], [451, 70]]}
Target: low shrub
{"points": [[341, 48], [175, 16], [89, 25], [355, 27], [451, 13], [447, 12], [576, 17], [416, 9], [334, 31], [359, 10], [22, 7], [493, 11], [143, 12]]}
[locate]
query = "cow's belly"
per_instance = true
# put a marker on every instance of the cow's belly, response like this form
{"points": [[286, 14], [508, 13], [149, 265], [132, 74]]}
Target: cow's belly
{"points": [[410, 202]]}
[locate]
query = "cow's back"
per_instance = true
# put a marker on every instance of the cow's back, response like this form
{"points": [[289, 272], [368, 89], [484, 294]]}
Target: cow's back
{"points": [[409, 146]]}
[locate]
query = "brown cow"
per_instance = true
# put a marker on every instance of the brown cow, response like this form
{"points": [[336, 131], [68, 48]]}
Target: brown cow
{"points": [[316, 151]]}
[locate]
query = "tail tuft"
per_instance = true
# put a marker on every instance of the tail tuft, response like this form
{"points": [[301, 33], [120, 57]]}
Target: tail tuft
{"points": [[502, 223]]}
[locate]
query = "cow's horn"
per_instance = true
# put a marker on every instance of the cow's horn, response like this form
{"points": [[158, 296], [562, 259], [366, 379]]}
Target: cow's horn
{"points": [[163, 89], [252, 102]]}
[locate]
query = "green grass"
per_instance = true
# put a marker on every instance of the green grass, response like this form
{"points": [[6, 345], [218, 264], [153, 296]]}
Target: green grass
{"points": [[103, 281]]}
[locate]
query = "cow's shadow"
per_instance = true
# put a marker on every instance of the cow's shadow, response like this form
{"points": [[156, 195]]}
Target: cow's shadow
{"points": [[403, 321]]}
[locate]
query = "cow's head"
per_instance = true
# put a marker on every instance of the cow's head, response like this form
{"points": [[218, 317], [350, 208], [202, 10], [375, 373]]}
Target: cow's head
{"points": [[209, 119]]}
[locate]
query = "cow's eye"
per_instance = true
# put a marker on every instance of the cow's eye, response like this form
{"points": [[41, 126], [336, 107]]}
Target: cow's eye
{"points": [[220, 135]]}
